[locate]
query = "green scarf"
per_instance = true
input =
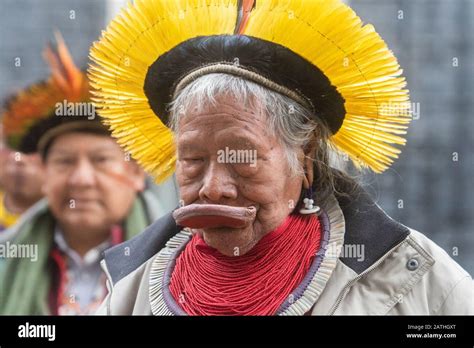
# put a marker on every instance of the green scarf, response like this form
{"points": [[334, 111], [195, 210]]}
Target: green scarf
{"points": [[25, 284]]}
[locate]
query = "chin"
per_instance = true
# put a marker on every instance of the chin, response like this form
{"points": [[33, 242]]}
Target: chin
{"points": [[86, 221], [229, 241]]}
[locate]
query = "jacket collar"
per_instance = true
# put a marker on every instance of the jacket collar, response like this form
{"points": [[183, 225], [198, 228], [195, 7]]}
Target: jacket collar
{"points": [[368, 228]]}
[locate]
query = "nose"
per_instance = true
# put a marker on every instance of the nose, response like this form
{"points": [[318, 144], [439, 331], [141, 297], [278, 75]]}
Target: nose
{"points": [[83, 173], [218, 185]]}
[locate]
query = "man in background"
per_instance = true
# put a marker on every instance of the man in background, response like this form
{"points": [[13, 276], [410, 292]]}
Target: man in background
{"points": [[21, 178], [96, 198]]}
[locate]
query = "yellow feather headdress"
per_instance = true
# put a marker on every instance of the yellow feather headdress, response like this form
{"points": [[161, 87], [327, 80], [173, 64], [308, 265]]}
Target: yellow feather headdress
{"points": [[326, 34]]}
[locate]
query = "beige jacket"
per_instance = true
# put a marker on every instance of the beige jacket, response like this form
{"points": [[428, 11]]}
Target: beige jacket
{"points": [[399, 272]]}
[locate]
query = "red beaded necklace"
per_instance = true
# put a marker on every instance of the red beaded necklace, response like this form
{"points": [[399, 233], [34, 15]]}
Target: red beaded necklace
{"points": [[206, 282]]}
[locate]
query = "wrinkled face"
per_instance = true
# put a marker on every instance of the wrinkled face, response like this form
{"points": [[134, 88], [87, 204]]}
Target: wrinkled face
{"points": [[22, 175], [210, 171], [90, 182]]}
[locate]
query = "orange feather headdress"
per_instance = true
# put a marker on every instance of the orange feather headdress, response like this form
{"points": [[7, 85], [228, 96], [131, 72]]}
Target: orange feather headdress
{"points": [[30, 114]]}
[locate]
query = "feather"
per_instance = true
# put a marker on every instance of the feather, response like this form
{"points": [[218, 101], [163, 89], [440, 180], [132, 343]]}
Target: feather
{"points": [[356, 60], [132, 42], [35, 104], [244, 8], [327, 33]]}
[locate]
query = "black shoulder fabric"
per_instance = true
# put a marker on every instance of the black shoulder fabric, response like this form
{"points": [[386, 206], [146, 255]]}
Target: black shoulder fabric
{"points": [[126, 257], [369, 226], [277, 63]]}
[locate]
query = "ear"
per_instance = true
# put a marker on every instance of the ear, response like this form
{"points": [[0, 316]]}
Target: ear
{"points": [[137, 176], [44, 191], [44, 185], [309, 154]]}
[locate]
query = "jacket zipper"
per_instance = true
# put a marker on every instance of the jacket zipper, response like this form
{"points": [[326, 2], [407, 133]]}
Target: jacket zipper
{"points": [[352, 281]]}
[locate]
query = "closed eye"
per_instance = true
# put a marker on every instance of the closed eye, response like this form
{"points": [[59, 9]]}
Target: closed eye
{"points": [[194, 159]]}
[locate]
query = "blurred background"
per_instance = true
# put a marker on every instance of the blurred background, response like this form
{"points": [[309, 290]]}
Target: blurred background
{"points": [[429, 188]]}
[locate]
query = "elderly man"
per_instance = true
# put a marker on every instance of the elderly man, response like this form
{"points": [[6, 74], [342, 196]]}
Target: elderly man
{"points": [[95, 199], [256, 97]]}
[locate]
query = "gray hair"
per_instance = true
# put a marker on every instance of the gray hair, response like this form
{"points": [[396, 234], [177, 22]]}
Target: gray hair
{"points": [[292, 124]]}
